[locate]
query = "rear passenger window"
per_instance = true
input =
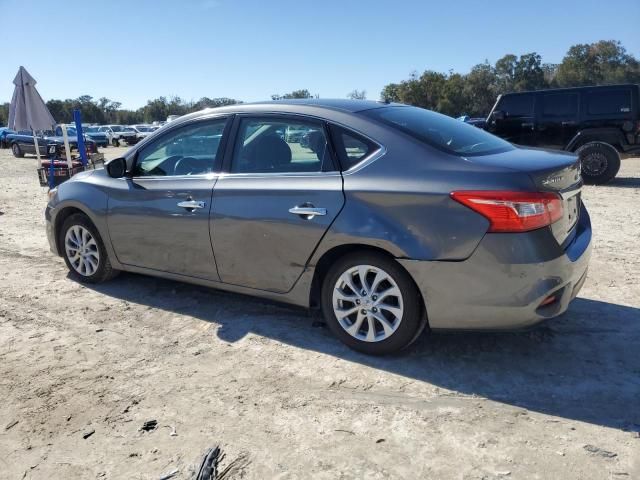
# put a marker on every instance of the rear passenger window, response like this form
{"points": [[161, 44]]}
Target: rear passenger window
{"points": [[272, 145], [609, 102], [352, 148], [517, 105], [560, 105]]}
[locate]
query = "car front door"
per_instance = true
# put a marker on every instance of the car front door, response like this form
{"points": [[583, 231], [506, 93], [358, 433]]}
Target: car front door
{"points": [[276, 201], [516, 121], [159, 216]]}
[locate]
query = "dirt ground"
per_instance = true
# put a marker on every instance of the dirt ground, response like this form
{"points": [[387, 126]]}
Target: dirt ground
{"points": [[284, 398]]}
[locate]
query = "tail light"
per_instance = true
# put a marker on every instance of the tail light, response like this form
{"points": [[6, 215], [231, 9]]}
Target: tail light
{"points": [[509, 211]]}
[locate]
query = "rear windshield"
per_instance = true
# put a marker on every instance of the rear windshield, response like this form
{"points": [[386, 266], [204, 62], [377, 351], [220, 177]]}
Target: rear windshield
{"points": [[440, 131]]}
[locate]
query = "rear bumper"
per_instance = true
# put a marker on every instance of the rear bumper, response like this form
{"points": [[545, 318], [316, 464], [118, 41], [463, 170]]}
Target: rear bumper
{"points": [[503, 283]]}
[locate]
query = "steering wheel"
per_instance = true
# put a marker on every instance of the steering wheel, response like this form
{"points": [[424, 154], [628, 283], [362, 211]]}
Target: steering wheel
{"points": [[187, 166]]}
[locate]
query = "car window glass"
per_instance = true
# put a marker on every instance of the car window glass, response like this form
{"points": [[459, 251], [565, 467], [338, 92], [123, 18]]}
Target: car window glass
{"points": [[516, 105], [189, 150], [351, 147], [266, 145], [440, 131], [608, 102], [560, 105]]}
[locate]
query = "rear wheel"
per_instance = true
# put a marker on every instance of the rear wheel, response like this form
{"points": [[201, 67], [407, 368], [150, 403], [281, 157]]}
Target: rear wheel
{"points": [[372, 304], [17, 151], [600, 162], [84, 251]]}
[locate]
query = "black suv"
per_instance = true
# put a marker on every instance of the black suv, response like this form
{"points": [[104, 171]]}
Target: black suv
{"points": [[595, 122]]}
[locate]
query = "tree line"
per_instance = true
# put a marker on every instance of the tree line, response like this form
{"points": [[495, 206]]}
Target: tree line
{"points": [[473, 93]]}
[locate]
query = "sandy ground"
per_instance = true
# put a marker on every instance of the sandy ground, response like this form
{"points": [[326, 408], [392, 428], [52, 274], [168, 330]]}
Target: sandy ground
{"points": [[283, 397]]}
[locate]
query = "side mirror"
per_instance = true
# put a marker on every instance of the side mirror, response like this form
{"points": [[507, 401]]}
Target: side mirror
{"points": [[497, 115], [117, 168]]}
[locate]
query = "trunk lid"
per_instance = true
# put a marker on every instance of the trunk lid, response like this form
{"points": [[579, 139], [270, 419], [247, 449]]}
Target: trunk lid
{"points": [[549, 171]]}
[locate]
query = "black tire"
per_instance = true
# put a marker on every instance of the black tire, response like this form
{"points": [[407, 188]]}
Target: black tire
{"points": [[115, 142], [600, 162], [104, 271], [412, 322], [17, 151]]}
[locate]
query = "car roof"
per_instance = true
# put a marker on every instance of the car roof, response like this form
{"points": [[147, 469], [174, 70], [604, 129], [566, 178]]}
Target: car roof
{"points": [[569, 89], [301, 105]]}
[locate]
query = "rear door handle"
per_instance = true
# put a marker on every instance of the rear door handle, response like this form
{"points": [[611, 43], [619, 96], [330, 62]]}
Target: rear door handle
{"points": [[191, 204], [527, 125], [308, 211]]}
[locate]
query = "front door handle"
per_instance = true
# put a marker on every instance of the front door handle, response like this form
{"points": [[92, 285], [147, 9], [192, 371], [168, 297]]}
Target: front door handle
{"points": [[191, 205], [308, 211], [528, 125]]}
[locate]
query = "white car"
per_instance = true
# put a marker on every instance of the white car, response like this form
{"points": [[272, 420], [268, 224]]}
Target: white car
{"points": [[118, 132], [143, 131]]}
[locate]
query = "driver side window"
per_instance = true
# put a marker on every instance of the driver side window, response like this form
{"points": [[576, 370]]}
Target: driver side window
{"points": [[189, 150]]}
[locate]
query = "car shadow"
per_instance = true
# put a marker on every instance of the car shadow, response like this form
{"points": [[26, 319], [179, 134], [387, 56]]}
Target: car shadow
{"points": [[624, 182], [583, 365]]}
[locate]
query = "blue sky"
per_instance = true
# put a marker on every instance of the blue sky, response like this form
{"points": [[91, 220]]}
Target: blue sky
{"points": [[132, 51]]}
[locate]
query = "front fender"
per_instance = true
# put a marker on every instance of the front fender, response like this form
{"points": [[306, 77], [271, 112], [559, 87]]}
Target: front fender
{"points": [[89, 198]]}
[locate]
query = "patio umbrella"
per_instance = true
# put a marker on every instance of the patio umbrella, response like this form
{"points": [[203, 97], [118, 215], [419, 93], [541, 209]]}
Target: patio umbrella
{"points": [[27, 110]]}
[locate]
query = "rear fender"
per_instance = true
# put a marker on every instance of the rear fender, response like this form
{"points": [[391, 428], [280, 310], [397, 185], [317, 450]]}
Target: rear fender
{"points": [[611, 136]]}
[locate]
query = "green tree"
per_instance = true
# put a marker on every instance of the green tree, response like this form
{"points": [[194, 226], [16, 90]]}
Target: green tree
{"points": [[304, 93], [357, 94], [528, 73], [603, 62], [480, 90], [4, 114]]}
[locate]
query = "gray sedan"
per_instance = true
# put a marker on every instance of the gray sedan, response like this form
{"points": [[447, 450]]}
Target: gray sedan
{"points": [[388, 218]]}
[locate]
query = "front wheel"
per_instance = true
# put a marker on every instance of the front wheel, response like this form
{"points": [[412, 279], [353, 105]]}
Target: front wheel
{"points": [[17, 151], [371, 303], [84, 252], [600, 162], [115, 142]]}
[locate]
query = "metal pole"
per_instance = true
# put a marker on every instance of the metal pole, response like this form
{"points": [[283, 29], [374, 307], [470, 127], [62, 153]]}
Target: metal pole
{"points": [[77, 117], [67, 150], [35, 144], [52, 168]]}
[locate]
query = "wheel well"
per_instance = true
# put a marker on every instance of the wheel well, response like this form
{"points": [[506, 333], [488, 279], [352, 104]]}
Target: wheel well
{"points": [[615, 144], [330, 257], [60, 218]]}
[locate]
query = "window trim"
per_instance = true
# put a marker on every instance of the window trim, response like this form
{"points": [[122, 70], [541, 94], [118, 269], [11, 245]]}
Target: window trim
{"points": [[286, 116], [337, 129], [217, 167]]}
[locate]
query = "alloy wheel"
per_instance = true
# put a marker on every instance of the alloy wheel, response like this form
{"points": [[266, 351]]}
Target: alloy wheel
{"points": [[367, 303], [82, 250]]}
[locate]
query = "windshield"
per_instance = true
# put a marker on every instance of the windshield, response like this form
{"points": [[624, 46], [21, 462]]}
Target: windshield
{"points": [[92, 129], [440, 131], [144, 129], [116, 128]]}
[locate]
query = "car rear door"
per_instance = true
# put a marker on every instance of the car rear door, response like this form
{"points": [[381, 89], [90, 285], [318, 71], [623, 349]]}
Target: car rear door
{"points": [[275, 202], [558, 118], [159, 217]]}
